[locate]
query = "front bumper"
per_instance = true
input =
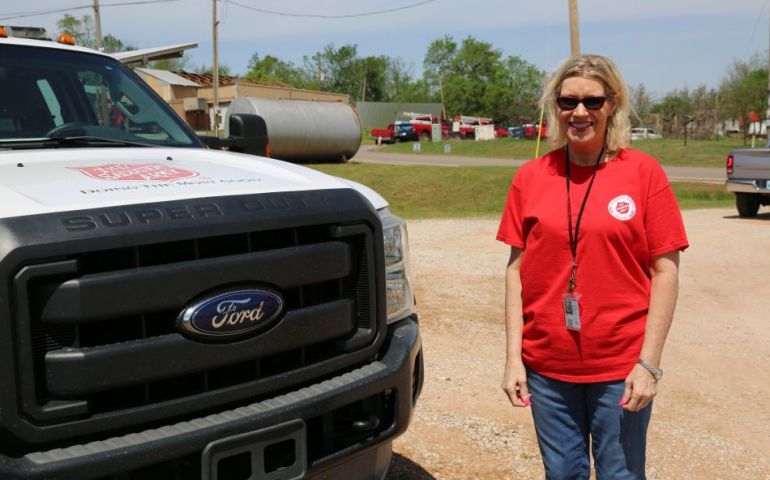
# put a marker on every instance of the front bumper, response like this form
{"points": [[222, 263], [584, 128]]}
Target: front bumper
{"points": [[394, 380], [744, 185]]}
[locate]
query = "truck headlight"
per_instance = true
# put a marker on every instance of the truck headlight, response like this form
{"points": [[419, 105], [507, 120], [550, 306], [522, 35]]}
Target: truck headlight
{"points": [[398, 290]]}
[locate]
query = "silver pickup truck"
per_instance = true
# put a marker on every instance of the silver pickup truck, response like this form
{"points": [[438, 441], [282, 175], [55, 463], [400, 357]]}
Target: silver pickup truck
{"points": [[748, 176]]}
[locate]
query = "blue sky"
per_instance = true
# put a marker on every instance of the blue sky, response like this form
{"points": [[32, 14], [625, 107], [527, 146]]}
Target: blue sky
{"points": [[663, 44]]}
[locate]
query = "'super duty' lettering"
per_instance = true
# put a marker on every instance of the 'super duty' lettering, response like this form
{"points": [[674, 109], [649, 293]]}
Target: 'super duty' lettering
{"points": [[83, 223]]}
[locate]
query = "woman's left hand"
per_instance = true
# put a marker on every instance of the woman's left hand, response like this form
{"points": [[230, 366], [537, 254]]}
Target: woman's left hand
{"points": [[641, 388]]}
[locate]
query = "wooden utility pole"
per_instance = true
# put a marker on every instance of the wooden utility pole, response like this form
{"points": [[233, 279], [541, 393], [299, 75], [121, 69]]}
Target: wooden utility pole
{"points": [[574, 28], [215, 67], [441, 90], [98, 24], [767, 116]]}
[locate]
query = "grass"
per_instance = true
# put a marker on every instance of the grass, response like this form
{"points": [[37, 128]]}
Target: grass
{"points": [[500, 148], [419, 191], [702, 195], [697, 153], [668, 151]]}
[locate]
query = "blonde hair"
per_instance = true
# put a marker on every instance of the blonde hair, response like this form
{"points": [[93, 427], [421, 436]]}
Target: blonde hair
{"points": [[605, 71]]}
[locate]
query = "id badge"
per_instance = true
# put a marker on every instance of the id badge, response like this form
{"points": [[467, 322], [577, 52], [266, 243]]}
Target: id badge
{"points": [[571, 304]]}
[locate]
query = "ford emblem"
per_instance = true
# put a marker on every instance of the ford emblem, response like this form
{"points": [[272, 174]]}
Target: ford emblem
{"points": [[231, 314]]}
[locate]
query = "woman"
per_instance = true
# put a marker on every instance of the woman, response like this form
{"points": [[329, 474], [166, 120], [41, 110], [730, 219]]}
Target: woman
{"points": [[591, 283]]}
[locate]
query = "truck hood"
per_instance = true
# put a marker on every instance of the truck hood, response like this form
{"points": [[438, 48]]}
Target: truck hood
{"points": [[42, 181]]}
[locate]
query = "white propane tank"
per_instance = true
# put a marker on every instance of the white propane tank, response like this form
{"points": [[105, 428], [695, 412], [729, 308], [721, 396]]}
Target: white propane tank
{"points": [[303, 130]]}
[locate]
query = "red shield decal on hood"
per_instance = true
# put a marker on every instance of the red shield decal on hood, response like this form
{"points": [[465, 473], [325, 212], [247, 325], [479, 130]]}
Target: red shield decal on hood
{"points": [[136, 172]]}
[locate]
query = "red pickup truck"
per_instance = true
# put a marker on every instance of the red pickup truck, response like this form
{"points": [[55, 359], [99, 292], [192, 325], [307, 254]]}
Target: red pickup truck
{"points": [[412, 126], [401, 131], [423, 125], [465, 126], [384, 135]]}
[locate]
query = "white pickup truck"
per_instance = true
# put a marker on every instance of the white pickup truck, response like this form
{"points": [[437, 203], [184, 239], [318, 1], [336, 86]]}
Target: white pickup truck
{"points": [[748, 176], [172, 311]]}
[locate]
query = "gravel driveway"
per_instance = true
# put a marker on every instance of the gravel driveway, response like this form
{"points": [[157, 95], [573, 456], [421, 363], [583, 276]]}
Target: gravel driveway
{"points": [[711, 418]]}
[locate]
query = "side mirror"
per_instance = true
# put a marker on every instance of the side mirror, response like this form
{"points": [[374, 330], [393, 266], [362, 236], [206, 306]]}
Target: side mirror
{"points": [[248, 134]]}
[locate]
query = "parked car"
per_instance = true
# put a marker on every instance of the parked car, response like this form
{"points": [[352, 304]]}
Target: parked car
{"points": [[531, 130], [405, 131], [644, 133]]}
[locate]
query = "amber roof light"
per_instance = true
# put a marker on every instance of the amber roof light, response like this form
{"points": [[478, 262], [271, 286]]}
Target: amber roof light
{"points": [[3, 33], [66, 39]]}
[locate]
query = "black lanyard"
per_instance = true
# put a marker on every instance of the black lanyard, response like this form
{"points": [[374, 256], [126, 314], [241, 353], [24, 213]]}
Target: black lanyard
{"points": [[573, 239]]}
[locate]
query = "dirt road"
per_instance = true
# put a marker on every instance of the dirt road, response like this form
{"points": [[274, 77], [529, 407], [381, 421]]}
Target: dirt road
{"points": [[711, 419]]}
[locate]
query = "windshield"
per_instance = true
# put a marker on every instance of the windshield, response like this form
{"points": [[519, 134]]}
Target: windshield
{"points": [[56, 94]]}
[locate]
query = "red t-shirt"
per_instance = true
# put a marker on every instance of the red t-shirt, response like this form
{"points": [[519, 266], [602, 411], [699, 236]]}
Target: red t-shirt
{"points": [[630, 217]]}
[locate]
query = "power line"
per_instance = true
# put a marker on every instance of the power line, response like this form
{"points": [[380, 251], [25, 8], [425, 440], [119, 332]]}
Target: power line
{"points": [[759, 16], [37, 13], [41, 12], [310, 15]]}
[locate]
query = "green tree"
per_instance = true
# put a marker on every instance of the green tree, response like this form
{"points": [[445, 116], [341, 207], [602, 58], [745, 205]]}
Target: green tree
{"points": [[473, 71], [744, 90], [374, 78], [82, 29], [417, 91], [513, 95], [273, 69], [641, 106], [224, 70], [437, 63], [334, 70], [171, 64], [705, 115], [401, 87], [473, 78], [675, 108], [373, 75], [111, 44]]}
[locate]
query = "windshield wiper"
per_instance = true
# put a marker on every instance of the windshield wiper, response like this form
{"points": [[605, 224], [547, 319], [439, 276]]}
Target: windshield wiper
{"points": [[80, 140], [92, 141]]}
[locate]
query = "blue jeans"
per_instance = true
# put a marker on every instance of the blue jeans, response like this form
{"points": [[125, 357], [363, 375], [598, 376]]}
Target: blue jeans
{"points": [[568, 414]]}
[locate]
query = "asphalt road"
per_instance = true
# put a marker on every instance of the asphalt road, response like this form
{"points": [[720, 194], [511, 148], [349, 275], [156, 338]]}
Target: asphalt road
{"points": [[370, 154]]}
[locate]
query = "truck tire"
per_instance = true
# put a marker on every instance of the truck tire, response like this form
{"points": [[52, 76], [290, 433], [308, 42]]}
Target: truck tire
{"points": [[425, 137], [748, 204]]}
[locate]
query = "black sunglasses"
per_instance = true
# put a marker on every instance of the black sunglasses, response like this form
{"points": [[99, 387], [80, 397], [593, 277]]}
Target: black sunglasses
{"points": [[590, 103]]}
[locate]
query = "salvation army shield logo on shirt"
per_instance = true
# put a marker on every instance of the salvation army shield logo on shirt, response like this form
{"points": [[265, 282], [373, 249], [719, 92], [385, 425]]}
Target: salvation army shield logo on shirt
{"points": [[622, 207], [136, 172]]}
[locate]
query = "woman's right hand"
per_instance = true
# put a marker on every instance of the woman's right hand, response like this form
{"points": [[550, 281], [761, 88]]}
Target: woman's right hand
{"points": [[515, 384]]}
